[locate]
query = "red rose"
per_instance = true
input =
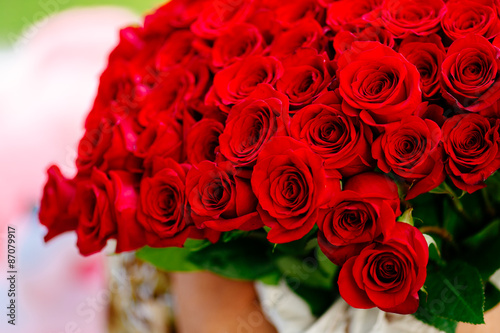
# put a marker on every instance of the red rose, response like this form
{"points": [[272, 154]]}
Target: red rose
{"points": [[179, 48], [218, 16], [469, 74], [361, 33], [162, 202], [466, 17], [290, 12], [252, 123], [418, 17], [160, 139], [345, 12], [290, 184], [306, 33], [307, 74], [203, 140], [376, 185], [239, 42], [236, 82], [174, 14], [387, 274], [378, 83], [58, 194], [471, 142], [343, 142], [173, 88], [219, 199], [410, 148], [96, 217], [354, 219], [427, 54]]}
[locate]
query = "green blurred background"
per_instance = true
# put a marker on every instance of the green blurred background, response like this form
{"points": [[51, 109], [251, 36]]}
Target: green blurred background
{"points": [[17, 15]]}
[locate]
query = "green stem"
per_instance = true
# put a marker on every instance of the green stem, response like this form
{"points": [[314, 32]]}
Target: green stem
{"points": [[457, 203], [489, 206]]}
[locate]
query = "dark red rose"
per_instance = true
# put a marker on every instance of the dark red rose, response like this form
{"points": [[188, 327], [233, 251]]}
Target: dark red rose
{"points": [[307, 74], [160, 139], [418, 17], [410, 148], [291, 184], [239, 42], [96, 216], [218, 16], [355, 218], [219, 199], [387, 274], [427, 55], [471, 142], [162, 202], [345, 12], [361, 33], [58, 194], [378, 83], [471, 17], [376, 185], [202, 141], [343, 142], [306, 33], [470, 74], [252, 123], [236, 82]]}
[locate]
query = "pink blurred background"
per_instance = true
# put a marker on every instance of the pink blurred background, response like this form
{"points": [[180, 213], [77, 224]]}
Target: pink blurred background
{"points": [[47, 85]]}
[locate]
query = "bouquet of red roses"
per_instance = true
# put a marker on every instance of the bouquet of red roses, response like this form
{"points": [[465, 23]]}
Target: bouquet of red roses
{"points": [[347, 147]]}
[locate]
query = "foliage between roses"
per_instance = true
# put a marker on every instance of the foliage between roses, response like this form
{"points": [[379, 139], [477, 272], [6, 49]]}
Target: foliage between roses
{"points": [[301, 141]]}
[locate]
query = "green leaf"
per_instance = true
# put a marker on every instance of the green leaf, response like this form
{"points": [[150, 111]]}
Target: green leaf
{"points": [[487, 234], [454, 292], [492, 296], [309, 271], [318, 300], [243, 259], [425, 315], [172, 259]]}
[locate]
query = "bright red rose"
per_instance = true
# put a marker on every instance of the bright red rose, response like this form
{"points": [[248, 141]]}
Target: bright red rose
{"points": [[236, 82], [203, 140], [96, 216], [178, 49], [290, 184], [356, 217], [162, 202], [427, 54], [287, 13], [252, 123], [378, 83], [376, 185], [471, 17], [361, 33], [307, 74], [174, 14], [306, 33], [470, 74], [219, 199], [343, 142], [218, 16], [239, 42], [472, 143], [58, 194], [345, 12], [160, 139], [410, 148], [418, 17], [388, 273]]}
